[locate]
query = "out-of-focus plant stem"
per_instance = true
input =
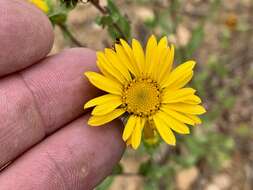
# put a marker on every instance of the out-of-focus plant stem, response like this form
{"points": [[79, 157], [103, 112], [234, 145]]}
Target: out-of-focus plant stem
{"points": [[65, 29]]}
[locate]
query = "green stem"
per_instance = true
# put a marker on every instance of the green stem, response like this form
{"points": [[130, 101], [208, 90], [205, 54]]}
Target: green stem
{"points": [[65, 29]]}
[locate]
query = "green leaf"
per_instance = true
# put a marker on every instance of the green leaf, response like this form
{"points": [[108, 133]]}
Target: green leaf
{"points": [[145, 168], [58, 18], [113, 32], [58, 13], [105, 184], [117, 25], [113, 9], [118, 169], [69, 3], [125, 26], [104, 21]]}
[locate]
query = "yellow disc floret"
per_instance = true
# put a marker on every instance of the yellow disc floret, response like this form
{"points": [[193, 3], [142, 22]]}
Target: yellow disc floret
{"points": [[141, 97]]}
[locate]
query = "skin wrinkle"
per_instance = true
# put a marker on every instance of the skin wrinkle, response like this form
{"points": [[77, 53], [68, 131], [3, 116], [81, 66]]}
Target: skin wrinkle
{"points": [[69, 174], [49, 174], [63, 85], [5, 166], [60, 172], [13, 141], [34, 101]]}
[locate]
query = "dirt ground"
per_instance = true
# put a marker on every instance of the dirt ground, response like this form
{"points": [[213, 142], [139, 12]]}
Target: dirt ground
{"points": [[236, 174]]}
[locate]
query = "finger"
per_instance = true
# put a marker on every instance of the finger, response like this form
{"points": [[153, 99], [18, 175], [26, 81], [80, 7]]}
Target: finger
{"points": [[26, 35], [76, 158], [42, 99]]}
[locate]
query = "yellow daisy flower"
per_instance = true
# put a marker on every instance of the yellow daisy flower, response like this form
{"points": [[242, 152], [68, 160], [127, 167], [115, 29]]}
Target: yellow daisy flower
{"points": [[144, 88], [41, 4]]}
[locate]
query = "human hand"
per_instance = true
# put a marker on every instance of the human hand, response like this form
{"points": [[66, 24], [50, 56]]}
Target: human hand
{"points": [[44, 137]]}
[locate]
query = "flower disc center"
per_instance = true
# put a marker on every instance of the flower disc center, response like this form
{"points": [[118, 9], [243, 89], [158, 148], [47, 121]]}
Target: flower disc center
{"points": [[141, 97]]}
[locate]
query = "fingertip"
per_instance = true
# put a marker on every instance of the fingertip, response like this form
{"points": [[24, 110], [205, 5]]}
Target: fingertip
{"points": [[26, 35]]}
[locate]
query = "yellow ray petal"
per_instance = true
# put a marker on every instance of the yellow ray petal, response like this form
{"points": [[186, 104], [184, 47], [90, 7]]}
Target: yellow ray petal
{"points": [[179, 76], [163, 43], [150, 52], [101, 120], [106, 108], [162, 46], [130, 55], [124, 59], [165, 132], [129, 141], [159, 56], [103, 83], [167, 65], [101, 100], [137, 133], [104, 71], [171, 96], [195, 118], [179, 116], [128, 130], [162, 64], [138, 54], [182, 81], [117, 64], [174, 124], [41, 4], [186, 108], [192, 99], [105, 64]]}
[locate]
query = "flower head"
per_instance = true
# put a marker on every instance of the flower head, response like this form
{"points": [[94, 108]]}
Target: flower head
{"points": [[231, 21], [41, 4], [145, 88]]}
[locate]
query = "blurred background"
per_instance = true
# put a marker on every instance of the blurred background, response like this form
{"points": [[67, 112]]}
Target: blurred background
{"points": [[218, 34]]}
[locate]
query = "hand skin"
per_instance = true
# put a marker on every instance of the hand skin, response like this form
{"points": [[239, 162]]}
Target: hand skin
{"points": [[44, 137]]}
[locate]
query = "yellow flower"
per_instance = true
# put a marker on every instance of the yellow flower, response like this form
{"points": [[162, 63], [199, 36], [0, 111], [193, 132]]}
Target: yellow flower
{"points": [[231, 21], [143, 87], [41, 4]]}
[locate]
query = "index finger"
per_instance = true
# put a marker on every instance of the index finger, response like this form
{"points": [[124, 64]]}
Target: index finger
{"points": [[26, 35]]}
